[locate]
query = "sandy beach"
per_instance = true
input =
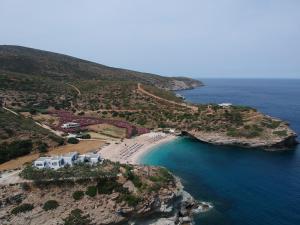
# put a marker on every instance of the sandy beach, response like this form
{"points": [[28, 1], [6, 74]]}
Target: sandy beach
{"points": [[131, 150]]}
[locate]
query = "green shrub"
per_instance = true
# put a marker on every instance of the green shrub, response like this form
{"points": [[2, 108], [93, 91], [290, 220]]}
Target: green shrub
{"points": [[15, 149], [130, 199], [91, 191], [106, 186], [232, 132], [50, 205], [76, 218], [86, 136], [73, 140], [77, 195], [43, 147], [22, 208], [25, 186], [281, 133]]}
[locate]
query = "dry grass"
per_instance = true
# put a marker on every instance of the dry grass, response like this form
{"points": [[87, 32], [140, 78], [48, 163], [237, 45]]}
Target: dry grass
{"points": [[108, 130], [46, 118], [81, 147]]}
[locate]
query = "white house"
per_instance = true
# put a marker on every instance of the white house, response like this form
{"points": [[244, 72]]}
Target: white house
{"points": [[42, 162], [70, 158], [56, 162], [70, 125], [93, 158]]}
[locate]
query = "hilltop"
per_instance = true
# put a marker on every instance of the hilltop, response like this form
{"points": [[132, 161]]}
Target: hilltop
{"points": [[59, 67]]}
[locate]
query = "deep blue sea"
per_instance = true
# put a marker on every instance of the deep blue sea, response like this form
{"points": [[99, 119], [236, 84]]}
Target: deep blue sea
{"points": [[247, 187]]}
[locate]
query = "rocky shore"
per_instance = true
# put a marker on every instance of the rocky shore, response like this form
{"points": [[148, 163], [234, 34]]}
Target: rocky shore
{"points": [[275, 143]]}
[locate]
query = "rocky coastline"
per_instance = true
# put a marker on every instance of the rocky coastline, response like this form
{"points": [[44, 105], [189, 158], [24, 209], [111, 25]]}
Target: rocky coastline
{"points": [[271, 144]]}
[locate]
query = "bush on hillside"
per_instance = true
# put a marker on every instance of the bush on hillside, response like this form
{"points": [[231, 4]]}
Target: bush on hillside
{"points": [[50, 205], [73, 140], [91, 191], [14, 150], [43, 147], [77, 195], [86, 136], [22, 208], [76, 218]]}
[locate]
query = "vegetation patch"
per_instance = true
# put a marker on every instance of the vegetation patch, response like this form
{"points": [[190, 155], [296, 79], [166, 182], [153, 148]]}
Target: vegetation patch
{"points": [[76, 217], [130, 199], [91, 191], [15, 149], [78, 171], [50, 205], [77, 195], [22, 208], [281, 133], [73, 140]]}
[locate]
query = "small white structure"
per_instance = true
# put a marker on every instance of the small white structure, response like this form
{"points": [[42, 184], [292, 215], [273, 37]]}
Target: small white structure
{"points": [[70, 158], [180, 96], [56, 162], [93, 158], [225, 105], [70, 125], [42, 162]]}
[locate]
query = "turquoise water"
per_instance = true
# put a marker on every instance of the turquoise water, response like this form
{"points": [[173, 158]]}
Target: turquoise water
{"points": [[246, 186]]}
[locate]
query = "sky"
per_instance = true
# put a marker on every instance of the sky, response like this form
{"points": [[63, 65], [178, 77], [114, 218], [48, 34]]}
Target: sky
{"points": [[195, 38]]}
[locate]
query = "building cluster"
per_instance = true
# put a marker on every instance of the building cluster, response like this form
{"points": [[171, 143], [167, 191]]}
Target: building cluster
{"points": [[71, 158]]}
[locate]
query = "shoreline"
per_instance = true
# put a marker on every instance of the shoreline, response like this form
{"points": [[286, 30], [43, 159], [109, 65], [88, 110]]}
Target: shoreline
{"points": [[132, 150]]}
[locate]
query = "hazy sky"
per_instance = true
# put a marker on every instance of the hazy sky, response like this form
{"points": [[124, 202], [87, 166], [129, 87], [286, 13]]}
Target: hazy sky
{"points": [[197, 38]]}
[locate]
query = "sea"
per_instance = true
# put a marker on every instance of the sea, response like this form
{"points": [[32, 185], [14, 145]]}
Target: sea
{"points": [[246, 186]]}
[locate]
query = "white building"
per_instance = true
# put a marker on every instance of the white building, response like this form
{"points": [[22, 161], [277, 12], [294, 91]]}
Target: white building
{"points": [[70, 125], [56, 162], [71, 158], [42, 162], [225, 105], [93, 158]]}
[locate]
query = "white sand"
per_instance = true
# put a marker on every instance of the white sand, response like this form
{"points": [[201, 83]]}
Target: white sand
{"points": [[131, 150]]}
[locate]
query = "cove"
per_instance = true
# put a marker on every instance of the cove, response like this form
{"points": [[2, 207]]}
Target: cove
{"points": [[246, 186]]}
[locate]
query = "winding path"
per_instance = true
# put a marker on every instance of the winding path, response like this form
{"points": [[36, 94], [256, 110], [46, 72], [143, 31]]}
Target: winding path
{"points": [[143, 91], [76, 88]]}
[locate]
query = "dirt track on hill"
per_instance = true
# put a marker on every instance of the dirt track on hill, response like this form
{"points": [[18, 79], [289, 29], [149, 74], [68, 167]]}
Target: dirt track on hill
{"points": [[143, 91]]}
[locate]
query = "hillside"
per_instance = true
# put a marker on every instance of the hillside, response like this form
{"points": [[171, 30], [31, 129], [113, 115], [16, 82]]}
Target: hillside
{"points": [[107, 193], [20, 136], [36, 83], [22, 60]]}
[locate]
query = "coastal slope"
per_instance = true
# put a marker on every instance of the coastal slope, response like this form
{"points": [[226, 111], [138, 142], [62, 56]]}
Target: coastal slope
{"points": [[107, 193], [35, 82]]}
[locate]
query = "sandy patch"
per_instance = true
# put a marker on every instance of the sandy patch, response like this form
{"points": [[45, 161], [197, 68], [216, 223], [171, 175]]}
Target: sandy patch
{"points": [[131, 150]]}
